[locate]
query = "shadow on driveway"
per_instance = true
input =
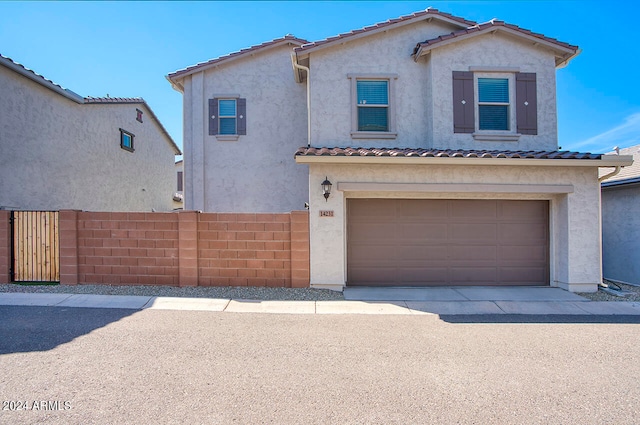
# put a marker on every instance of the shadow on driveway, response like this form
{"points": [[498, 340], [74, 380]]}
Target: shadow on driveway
{"points": [[28, 328], [531, 318]]}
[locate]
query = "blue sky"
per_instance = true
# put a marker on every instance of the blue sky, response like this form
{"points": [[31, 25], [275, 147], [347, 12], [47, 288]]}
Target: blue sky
{"points": [[127, 48]]}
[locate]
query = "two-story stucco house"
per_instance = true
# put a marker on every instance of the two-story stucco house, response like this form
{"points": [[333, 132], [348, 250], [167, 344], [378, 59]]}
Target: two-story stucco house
{"points": [[64, 151], [438, 136]]}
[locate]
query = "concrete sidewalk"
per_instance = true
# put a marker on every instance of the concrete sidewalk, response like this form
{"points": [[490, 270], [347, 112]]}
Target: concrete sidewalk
{"points": [[407, 301]]}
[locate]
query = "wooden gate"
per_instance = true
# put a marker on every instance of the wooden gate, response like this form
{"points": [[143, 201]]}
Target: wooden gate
{"points": [[36, 252]]}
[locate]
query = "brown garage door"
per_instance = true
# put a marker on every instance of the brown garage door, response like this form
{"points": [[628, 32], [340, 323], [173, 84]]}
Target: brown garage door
{"points": [[420, 242]]}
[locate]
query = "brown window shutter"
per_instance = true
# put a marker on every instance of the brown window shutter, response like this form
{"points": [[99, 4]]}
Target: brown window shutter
{"points": [[242, 116], [213, 117], [463, 102], [526, 103], [179, 181]]}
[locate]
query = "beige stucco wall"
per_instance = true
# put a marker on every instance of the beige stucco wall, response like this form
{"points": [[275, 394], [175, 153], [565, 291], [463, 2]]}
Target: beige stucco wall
{"points": [[58, 154], [574, 217], [423, 96], [384, 53], [621, 233], [493, 51], [255, 173]]}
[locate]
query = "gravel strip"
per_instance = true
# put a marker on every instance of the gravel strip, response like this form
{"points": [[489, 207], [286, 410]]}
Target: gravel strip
{"points": [[237, 293], [634, 294]]}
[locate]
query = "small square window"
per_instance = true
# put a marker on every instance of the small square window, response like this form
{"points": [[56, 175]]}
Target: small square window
{"points": [[126, 140]]}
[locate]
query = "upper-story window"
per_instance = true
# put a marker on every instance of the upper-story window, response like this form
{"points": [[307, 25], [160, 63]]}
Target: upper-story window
{"points": [[227, 117], [493, 104], [373, 106]]}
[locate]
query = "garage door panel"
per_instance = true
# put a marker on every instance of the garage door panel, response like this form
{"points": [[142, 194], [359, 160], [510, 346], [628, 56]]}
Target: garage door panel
{"points": [[421, 253], [473, 252], [523, 210], [477, 275], [410, 209], [423, 275], [427, 232], [523, 253], [447, 242], [373, 232], [371, 254], [523, 275], [365, 209], [474, 209], [373, 274], [518, 233], [471, 232]]}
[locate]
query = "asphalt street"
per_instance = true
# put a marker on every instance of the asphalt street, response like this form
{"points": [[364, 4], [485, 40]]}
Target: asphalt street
{"points": [[81, 365]]}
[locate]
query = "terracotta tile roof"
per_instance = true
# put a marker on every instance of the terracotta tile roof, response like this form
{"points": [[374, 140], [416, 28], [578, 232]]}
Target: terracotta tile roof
{"points": [[382, 25], [442, 153], [91, 99], [489, 26], [286, 39]]}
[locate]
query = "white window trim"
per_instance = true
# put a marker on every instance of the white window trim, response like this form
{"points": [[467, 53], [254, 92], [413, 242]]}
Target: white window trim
{"points": [[392, 133], [226, 137], [510, 135]]}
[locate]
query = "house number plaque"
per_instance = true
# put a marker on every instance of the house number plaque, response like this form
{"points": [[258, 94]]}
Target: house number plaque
{"points": [[326, 213]]}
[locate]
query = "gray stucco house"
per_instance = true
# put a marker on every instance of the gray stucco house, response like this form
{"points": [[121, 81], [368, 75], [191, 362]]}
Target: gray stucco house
{"points": [[64, 151], [621, 222], [438, 136]]}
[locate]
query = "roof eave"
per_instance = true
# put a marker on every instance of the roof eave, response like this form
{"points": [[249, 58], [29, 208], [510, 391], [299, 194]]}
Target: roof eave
{"points": [[404, 160], [563, 54], [175, 77], [305, 52], [40, 80]]}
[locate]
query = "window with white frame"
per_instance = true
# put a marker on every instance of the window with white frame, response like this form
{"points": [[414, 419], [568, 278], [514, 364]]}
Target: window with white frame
{"points": [[494, 104], [373, 113], [373, 105]]}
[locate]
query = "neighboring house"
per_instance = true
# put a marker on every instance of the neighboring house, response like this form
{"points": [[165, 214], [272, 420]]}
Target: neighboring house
{"points": [[474, 190], [178, 195], [63, 151], [621, 221]]}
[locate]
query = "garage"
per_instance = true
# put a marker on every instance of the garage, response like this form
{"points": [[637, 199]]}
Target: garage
{"points": [[442, 242]]}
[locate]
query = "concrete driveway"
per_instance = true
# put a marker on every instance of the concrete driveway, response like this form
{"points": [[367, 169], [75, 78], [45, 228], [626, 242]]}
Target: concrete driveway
{"points": [[162, 366]]}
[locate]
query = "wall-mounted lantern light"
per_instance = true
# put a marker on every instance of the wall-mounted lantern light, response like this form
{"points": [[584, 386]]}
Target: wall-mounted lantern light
{"points": [[326, 188]]}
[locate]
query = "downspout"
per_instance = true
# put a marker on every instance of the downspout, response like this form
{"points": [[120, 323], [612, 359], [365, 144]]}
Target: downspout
{"points": [[611, 174], [614, 172], [296, 65]]}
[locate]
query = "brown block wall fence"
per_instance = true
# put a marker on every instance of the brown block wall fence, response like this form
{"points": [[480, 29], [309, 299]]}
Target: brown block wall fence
{"points": [[178, 249]]}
